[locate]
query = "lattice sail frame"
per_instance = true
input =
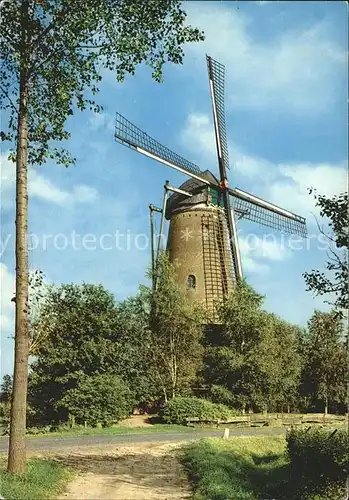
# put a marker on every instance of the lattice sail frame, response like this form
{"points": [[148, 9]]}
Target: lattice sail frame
{"points": [[269, 215], [216, 73], [128, 134], [218, 78]]}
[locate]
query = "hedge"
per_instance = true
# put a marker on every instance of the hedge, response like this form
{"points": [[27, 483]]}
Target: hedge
{"points": [[319, 461], [178, 409]]}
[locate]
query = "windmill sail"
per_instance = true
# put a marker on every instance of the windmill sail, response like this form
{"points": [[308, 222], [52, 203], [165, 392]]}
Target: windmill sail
{"points": [[216, 73], [129, 135], [258, 210]]}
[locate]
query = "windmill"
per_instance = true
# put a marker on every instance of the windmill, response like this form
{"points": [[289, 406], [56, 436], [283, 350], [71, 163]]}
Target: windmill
{"points": [[203, 212]]}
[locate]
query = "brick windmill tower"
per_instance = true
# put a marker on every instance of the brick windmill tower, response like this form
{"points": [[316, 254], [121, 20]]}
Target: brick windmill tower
{"points": [[203, 212]]}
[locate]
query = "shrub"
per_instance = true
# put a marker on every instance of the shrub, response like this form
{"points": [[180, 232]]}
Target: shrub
{"points": [[221, 394], [179, 409], [319, 461], [101, 399]]}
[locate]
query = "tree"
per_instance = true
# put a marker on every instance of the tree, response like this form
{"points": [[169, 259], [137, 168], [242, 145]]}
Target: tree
{"points": [[102, 398], [250, 352], [325, 371], [51, 53], [6, 389], [82, 338], [36, 297], [175, 333], [290, 360], [132, 358], [87, 332], [334, 282]]}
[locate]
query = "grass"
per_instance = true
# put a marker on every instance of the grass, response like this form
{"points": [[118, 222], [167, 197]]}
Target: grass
{"points": [[43, 480], [95, 431], [244, 468]]}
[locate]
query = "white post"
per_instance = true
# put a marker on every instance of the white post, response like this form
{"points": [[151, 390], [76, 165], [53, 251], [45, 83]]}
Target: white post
{"points": [[226, 433]]}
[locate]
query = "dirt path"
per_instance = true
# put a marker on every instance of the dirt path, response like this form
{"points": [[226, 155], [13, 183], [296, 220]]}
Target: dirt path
{"points": [[137, 472]]}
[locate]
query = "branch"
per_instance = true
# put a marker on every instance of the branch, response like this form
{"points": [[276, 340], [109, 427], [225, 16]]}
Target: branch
{"points": [[9, 98], [336, 259], [321, 229], [46, 30]]}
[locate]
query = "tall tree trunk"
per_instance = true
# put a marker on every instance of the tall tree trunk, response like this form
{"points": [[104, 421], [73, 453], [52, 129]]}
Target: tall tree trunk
{"points": [[17, 451]]}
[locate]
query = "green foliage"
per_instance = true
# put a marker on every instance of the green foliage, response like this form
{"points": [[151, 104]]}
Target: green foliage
{"points": [[175, 333], [58, 52], [85, 333], [241, 468], [325, 366], [254, 354], [5, 410], [221, 394], [44, 480], [333, 283], [98, 398], [6, 389], [319, 462], [133, 359], [178, 409]]}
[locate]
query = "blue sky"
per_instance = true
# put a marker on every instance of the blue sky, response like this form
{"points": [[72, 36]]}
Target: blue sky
{"points": [[286, 102]]}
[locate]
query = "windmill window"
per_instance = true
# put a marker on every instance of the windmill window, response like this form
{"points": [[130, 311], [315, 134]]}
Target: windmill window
{"points": [[191, 282]]}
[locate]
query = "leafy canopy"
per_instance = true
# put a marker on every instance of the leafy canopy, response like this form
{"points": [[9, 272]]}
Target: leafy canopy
{"points": [[335, 281], [103, 398], [325, 367], [85, 333], [249, 354], [58, 50], [175, 333]]}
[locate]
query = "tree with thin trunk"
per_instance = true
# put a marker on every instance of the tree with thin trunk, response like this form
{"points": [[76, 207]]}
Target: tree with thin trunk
{"points": [[325, 368], [175, 344], [52, 53]]}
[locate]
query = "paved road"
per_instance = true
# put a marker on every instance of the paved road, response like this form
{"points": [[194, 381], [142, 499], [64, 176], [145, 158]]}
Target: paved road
{"points": [[58, 443]]}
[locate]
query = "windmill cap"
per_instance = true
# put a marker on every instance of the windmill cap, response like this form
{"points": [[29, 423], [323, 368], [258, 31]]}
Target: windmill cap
{"points": [[177, 201]]}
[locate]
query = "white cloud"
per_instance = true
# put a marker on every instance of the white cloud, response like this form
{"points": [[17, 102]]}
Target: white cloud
{"points": [[40, 187], [102, 120], [84, 194], [283, 184], [255, 251], [250, 265], [198, 136], [297, 71], [328, 179]]}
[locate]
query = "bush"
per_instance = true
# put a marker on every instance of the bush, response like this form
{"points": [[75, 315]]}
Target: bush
{"points": [[179, 409], [319, 461], [44, 429], [104, 399], [221, 394]]}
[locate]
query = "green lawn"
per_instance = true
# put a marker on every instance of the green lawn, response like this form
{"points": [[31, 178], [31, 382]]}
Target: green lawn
{"points": [[44, 480], [244, 468], [115, 430]]}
